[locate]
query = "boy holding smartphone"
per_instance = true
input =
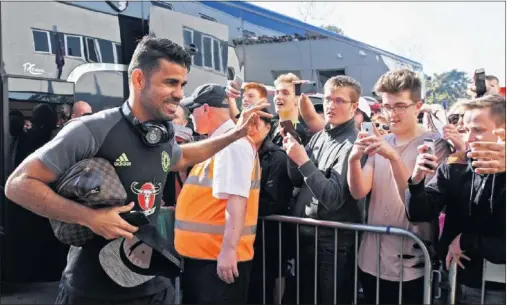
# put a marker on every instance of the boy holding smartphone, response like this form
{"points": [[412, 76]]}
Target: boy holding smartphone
{"points": [[385, 175], [320, 170], [471, 189]]}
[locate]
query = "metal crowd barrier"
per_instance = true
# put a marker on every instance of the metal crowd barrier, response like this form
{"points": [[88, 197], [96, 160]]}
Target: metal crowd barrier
{"points": [[344, 226], [494, 273]]}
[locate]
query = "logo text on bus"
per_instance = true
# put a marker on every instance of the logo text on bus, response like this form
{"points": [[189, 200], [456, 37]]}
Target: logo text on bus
{"points": [[30, 68]]}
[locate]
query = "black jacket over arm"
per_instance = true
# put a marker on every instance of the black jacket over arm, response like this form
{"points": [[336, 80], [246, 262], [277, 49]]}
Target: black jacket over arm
{"points": [[475, 208]]}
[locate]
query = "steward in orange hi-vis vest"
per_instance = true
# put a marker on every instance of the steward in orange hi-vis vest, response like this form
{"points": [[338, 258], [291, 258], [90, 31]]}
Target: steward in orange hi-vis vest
{"points": [[200, 217]]}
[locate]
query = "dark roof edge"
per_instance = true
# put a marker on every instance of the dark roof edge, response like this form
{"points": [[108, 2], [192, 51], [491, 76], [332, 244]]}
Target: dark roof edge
{"points": [[297, 23]]}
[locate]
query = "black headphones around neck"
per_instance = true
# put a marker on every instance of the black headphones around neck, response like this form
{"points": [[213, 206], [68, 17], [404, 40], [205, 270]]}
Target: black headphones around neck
{"points": [[152, 133]]}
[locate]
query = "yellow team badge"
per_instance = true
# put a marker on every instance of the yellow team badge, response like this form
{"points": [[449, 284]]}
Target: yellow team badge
{"points": [[166, 161]]}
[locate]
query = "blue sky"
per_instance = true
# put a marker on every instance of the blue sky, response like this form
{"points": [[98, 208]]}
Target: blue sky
{"points": [[439, 35]]}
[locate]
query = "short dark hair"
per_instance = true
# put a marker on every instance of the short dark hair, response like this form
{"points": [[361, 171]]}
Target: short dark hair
{"points": [[264, 119], [492, 77], [345, 81], [151, 49], [396, 81]]}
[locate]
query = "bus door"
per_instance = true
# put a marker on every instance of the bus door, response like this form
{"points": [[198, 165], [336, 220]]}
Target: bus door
{"points": [[30, 252]]}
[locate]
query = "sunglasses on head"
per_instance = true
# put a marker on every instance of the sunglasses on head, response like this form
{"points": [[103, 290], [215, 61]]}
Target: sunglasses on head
{"points": [[385, 127], [454, 118]]}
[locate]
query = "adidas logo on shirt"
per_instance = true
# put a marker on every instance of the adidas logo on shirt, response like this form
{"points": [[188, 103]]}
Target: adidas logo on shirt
{"points": [[122, 161]]}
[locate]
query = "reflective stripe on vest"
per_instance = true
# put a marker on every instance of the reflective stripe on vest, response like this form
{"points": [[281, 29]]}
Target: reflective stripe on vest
{"points": [[200, 217], [210, 229]]}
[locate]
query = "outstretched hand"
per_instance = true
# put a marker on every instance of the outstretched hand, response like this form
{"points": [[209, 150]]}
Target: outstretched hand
{"points": [[489, 157], [248, 121]]}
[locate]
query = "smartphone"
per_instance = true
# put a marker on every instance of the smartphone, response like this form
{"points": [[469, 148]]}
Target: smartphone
{"points": [[367, 127], [305, 88], [431, 146], [288, 127], [237, 82], [135, 218], [480, 82], [431, 149]]}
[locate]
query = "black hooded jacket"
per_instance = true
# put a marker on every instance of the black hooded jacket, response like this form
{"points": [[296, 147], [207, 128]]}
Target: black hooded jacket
{"points": [[275, 195], [475, 208], [276, 187]]}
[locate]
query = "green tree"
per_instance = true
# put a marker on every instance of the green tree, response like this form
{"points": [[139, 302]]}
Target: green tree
{"points": [[448, 86], [333, 28]]}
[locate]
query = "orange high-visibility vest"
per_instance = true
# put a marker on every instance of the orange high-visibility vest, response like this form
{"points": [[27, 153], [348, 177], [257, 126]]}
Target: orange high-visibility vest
{"points": [[200, 217]]}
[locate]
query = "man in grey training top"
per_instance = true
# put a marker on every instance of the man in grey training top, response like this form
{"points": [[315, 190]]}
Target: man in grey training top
{"points": [[157, 75]]}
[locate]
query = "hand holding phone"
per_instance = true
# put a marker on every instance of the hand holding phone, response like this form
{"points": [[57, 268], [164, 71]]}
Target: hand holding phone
{"points": [[367, 127], [288, 127], [480, 82], [430, 143], [237, 83], [305, 87], [426, 162]]}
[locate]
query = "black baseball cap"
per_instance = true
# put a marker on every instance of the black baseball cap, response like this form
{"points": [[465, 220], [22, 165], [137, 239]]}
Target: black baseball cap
{"points": [[212, 94], [134, 262]]}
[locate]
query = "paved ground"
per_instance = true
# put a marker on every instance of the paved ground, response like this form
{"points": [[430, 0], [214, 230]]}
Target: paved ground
{"points": [[38, 293]]}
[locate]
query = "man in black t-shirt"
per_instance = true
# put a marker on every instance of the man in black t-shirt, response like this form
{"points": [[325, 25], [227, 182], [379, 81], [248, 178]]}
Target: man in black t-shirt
{"points": [[157, 74]]}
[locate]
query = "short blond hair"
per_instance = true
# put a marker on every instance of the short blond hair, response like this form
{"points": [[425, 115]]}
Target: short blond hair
{"points": [[457, 107], [495, 103], [288, 78]]}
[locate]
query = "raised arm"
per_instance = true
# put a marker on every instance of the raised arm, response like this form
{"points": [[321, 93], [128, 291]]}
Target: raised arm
{"points": [[193, 153], [312, 119]]}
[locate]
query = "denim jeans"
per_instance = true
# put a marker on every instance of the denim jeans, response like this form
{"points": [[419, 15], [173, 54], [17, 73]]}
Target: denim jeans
{"points": [[164, 297], [326, 284], [468, 295]]}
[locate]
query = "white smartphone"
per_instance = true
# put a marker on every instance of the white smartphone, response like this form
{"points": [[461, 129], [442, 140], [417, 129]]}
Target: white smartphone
{"points": [[367, 127], [431, 146], [237, 82]]}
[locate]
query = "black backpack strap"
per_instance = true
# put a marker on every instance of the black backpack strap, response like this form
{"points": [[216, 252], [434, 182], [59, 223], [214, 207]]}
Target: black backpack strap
{"points": [[179, 179]]}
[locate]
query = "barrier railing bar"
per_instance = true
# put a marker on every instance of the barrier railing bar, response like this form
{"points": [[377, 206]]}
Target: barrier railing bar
{"points": [[263, 263], [453, 270], [297, 264], [356, 259], [400, 294], [377, 287], [315, 271], [279, 296], [486, 277], [483, 284], [371, 229], [335, 263]]}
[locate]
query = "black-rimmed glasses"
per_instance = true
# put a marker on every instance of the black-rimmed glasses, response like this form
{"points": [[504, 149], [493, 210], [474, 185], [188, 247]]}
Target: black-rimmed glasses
{"points": [[398, 108]]}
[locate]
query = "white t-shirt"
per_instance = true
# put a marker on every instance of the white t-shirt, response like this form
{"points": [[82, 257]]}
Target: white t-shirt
{"points": [[387, 208], [233, 166]]}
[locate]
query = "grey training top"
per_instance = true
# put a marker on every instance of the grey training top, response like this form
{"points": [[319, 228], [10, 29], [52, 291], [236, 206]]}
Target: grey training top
{"points": [[327, 198], [108, 135]]}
